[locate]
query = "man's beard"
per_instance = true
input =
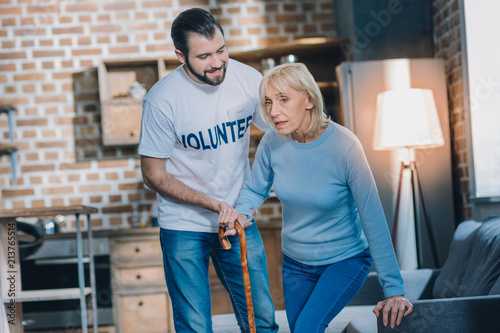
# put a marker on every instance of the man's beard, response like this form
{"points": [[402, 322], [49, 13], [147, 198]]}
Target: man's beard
{"points": [[204, 78]]}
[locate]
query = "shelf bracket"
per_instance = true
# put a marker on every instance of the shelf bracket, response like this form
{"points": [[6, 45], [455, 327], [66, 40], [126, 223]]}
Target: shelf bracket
{"points": [[10, 110]]}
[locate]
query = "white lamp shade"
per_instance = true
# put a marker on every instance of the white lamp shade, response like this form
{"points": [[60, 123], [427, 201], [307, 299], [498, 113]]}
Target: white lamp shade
{"points": [[407, 118]]}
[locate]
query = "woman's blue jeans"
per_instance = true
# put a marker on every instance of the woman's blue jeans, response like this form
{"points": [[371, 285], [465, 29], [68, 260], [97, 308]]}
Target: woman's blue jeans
{"points": [[314, 295], [186, 258]]}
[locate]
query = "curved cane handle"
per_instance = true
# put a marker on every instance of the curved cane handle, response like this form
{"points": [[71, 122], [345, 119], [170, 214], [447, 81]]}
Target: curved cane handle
{"points": [[244, 267], [225, 242], [223, 239]]}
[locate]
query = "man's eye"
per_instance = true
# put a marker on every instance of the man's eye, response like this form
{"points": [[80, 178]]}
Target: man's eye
{"points": [[203, 57], [284, 100]]}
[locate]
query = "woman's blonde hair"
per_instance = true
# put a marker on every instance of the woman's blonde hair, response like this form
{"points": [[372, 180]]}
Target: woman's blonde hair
{"points": [[298, 77]]}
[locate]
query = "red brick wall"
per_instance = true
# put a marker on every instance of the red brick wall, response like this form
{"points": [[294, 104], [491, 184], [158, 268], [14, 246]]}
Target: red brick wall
{"points": [[447, 38], [50, 51]]}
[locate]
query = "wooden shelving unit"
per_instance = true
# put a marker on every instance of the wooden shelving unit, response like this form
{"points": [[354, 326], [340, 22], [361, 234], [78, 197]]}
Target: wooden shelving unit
{"points": [[321, 55], [121, 114], [120, 111]]}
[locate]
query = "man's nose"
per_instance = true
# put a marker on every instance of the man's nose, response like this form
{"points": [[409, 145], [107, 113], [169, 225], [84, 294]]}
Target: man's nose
{"points": [[216, 62]]}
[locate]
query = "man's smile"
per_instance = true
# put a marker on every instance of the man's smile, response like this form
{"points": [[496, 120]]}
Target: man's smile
{"points": [[214, 72]]}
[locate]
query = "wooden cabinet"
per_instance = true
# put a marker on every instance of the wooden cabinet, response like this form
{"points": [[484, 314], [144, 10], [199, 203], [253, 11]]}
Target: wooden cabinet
{"points": [[147, 312], [140, 298], [121, 112]]}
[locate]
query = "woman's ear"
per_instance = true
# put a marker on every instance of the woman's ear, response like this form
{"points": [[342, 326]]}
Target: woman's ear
{"points": [[310, 103]]}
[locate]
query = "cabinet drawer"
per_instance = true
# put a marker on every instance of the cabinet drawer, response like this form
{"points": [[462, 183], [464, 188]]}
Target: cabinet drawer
{"points": [[144, 313], [136, 250], [140, 276]]}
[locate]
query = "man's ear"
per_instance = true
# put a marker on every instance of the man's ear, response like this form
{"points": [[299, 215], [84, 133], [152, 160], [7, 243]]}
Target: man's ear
{"points": [[180, 56]]}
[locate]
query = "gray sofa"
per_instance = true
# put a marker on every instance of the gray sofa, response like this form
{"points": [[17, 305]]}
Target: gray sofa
{"points": [[462, 297]]}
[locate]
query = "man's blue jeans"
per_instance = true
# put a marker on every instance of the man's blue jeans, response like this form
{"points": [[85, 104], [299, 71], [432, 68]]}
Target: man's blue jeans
{"points": [[314, 295], [186, 258]]}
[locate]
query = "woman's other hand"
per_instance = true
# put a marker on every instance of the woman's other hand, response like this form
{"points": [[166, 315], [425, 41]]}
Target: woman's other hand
{"points": [[399, 307]]}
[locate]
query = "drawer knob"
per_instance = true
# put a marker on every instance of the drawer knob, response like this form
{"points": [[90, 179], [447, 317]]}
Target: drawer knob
{"points": [[137, 249], [138, 276], [141, 303]]}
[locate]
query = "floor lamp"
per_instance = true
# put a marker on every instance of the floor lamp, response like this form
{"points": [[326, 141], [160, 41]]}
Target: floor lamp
{"points": [[408, 119]]}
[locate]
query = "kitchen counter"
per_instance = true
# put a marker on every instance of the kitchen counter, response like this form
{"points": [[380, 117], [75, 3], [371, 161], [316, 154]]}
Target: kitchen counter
{"points": [[141, 231]]}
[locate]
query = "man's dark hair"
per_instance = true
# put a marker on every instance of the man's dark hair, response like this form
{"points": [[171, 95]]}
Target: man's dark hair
{"points": [[195, 20]]}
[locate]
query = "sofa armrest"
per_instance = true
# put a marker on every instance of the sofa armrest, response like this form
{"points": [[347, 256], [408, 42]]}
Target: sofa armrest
{"points": [[457, 315], [418, 285]]}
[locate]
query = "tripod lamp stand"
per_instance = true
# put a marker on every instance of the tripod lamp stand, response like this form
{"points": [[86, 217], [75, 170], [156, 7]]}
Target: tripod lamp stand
{"points": [[408, 119]]}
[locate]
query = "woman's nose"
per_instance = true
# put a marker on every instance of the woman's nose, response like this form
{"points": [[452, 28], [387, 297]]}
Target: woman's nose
{"points": [[274, 110]]}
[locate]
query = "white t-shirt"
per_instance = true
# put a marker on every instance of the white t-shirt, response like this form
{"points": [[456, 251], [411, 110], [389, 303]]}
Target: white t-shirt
{"points": [[204, 133]]}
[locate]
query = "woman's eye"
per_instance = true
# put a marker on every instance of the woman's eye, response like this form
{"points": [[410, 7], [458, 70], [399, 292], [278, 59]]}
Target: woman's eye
{"points": [[284, 100]]}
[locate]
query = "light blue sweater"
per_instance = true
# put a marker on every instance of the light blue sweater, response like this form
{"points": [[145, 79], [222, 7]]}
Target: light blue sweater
{"points": [[331, 207]]}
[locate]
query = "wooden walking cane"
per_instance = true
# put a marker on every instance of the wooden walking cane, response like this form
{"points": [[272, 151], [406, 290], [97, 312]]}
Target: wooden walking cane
{"points": [[244, 268]]}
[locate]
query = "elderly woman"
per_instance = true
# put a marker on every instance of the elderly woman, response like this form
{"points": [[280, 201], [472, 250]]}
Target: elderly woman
{"points": [[333, 222]]}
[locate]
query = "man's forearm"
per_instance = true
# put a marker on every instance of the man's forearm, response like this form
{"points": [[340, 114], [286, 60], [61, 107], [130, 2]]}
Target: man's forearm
{"points": [[169, 186], [157, 178]]}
